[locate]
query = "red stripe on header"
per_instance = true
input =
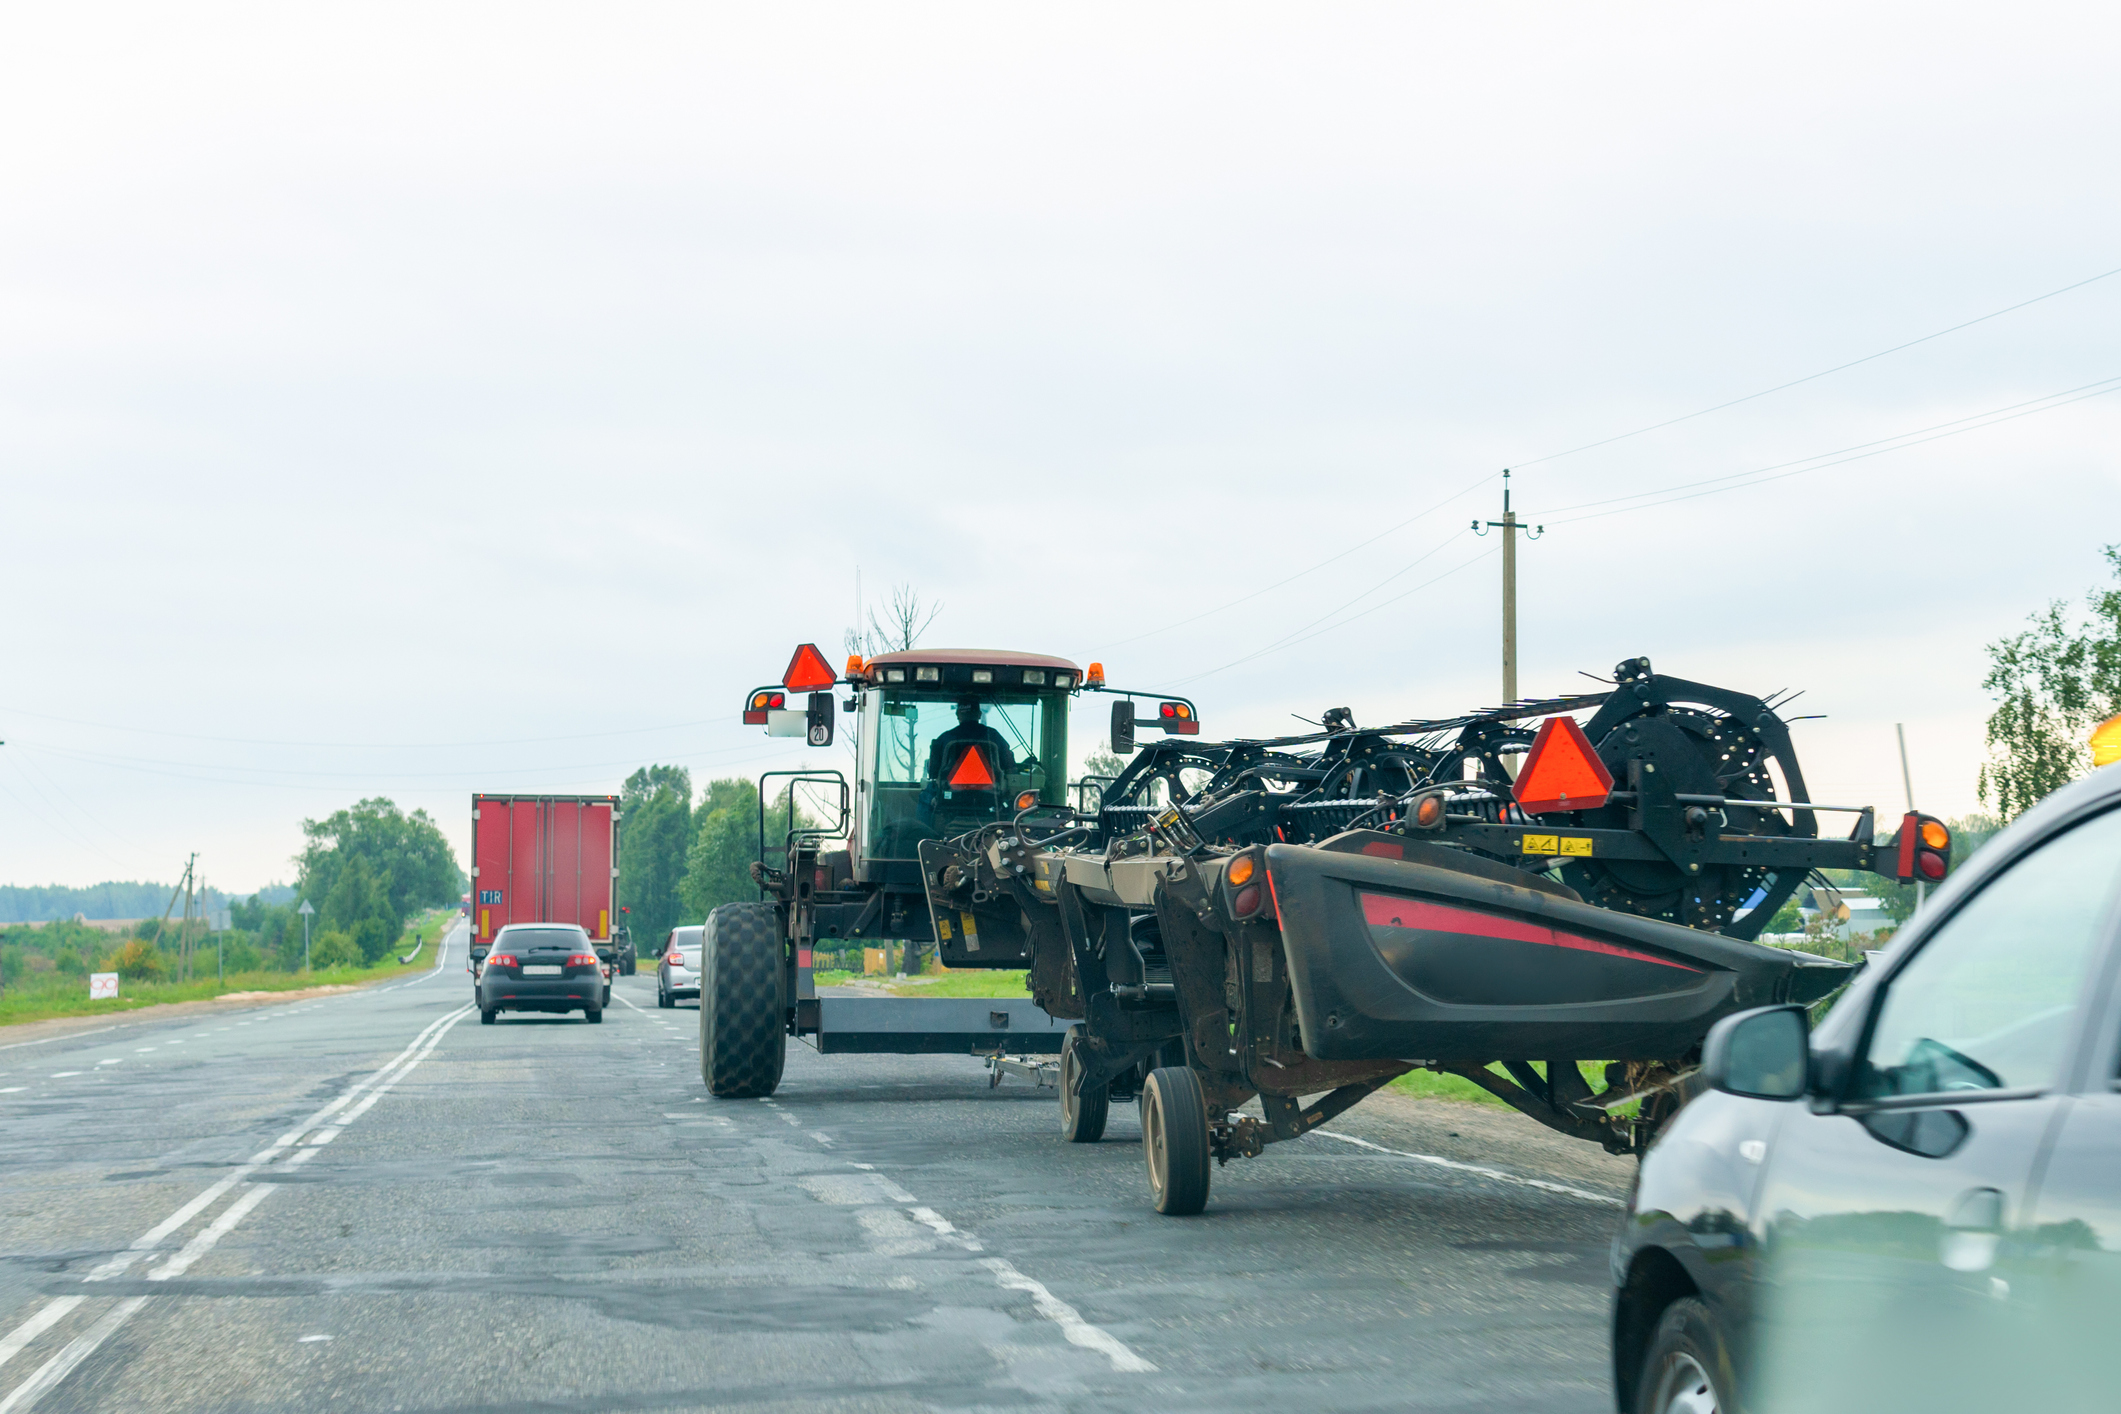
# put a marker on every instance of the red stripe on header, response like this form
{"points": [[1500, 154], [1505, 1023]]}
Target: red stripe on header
{"points": [[1393, 911]]}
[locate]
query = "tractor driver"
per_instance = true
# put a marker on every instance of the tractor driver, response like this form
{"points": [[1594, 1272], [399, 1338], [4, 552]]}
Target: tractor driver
{"points": [[970, 728]]}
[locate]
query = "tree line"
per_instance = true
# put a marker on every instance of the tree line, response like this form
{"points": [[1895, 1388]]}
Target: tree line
{"points": [[680, 859]]}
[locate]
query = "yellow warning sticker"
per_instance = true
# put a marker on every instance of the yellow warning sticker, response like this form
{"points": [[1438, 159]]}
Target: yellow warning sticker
{"points": [[971, 932], [1541, 844], [1579, 845], [942, 929]]}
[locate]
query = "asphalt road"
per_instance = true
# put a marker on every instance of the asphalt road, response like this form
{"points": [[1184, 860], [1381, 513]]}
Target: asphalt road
{"points": [[371, 1202]]}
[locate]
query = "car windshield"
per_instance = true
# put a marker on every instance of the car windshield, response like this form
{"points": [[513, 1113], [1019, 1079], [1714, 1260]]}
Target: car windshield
{"points": [[543, 939], [946, 761]]}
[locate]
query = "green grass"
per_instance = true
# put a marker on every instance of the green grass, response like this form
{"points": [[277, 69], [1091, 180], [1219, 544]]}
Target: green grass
{"points": [[963, 983], [1434, 1085], [968, 983], [43, 996]]}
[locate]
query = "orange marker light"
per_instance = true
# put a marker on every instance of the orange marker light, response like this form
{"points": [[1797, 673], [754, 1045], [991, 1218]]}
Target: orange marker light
{"points": [[1241, 869], [1095, 677], [1935, 835], [1026, 800], [1429, 812]]}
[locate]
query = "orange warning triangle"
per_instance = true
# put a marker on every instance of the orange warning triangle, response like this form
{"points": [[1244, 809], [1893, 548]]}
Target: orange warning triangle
{"points": [[808, 671], [1562, 771], [972, 772]]}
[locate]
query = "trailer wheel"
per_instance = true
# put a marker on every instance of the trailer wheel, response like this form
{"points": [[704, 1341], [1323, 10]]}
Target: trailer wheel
{"points": [[1083, 1115], [743, 1031], [1175, 1140]]}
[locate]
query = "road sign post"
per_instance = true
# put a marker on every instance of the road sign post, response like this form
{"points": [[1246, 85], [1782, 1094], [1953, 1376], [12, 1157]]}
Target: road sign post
{"points": [[305, 910]]}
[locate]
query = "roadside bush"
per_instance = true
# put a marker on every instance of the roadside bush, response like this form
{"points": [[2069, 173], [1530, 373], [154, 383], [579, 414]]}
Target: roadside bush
{"points": [[138, 961], [12, 965], [241, 955], [332, 948]]}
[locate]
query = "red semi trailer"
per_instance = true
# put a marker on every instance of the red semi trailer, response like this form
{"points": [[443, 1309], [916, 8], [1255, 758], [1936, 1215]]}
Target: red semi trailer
{"points": [[544, 859]]}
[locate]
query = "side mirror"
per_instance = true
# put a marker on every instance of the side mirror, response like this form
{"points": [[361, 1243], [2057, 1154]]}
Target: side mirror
{"points": [[820, 718], [1123, 726], [1764, 1054]]}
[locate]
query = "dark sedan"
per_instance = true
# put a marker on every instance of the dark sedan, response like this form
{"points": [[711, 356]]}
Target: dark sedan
{"points": [[541, 967], [1919, 1205]]}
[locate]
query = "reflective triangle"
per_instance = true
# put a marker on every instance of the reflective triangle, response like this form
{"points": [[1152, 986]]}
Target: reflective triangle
{"points": [[808, 671], [972, 772], [1562, 771]]}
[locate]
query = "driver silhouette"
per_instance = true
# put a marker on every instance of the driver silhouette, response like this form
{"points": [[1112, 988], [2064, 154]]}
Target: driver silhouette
{"points": [[969, 728]]}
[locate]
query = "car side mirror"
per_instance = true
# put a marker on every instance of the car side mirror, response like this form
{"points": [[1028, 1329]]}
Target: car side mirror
{"points": [[1764, 1054], [1123, 726]]}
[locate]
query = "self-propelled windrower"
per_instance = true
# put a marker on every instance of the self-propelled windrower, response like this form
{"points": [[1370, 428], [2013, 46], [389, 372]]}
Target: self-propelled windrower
{"points": [[1300, 920]]}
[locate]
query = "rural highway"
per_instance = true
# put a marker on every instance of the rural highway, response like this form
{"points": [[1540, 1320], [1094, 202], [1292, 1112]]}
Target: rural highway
{"points": [[368, 1201]]}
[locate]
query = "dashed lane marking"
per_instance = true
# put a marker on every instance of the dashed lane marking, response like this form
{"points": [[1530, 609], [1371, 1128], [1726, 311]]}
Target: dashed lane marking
{"points": [[1439, 1161], [871, 1193]]}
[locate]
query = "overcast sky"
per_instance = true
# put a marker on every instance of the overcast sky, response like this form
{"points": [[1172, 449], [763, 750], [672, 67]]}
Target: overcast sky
{"points": [[413, 400]]}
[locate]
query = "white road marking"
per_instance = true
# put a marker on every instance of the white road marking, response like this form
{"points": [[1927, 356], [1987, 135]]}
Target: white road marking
{"points": [[821, 1137], [114, 1060], [890, 1236], [63, 1074], [46, 1041], [1073, 1326], [62, 1364], [310, 1339], [1481, 1169], [11, 1089]]}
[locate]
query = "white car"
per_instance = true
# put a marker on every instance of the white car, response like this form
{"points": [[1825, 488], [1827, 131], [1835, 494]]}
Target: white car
{"points": [[678, 974]]}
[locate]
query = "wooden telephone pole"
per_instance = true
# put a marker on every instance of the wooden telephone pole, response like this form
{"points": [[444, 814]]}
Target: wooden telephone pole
{"points": [[1509, 525]]}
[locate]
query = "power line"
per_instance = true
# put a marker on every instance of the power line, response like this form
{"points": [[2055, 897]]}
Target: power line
{"points": [[1822, 373], [1291, 643], [1470, 487], [1861, 451], [361, 745]]}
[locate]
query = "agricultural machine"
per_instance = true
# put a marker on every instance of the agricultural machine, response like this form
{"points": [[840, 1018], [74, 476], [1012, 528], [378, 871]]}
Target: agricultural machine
{"points": [[1503, 896]]}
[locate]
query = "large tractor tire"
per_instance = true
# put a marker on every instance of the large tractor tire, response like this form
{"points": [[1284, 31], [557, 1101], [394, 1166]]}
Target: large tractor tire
{"points": [[743, 1027]]}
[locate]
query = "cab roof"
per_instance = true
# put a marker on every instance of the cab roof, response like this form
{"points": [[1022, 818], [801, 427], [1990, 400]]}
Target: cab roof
{"points": [[997, 656]]}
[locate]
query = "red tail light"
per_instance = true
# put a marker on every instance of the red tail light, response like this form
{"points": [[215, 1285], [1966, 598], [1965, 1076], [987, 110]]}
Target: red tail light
{"points": [[676, 958], [582, 959], [502, 959]]}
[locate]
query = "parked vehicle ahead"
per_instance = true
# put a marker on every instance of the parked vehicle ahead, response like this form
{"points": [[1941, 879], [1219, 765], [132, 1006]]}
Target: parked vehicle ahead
{"points": [[542, 967], [678, 974], [1917, 1206]]}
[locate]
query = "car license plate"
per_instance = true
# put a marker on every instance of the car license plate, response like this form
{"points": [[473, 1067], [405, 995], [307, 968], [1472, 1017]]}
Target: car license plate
{"points": [[539, 970]]}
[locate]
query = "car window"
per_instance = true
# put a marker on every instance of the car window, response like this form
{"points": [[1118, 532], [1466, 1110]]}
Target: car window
{"points": [[536, 939], [1986, 1004]]}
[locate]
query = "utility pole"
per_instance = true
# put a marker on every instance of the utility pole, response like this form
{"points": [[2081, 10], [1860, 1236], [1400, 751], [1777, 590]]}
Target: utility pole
{"points": [[305, 910], [1509, 525]]}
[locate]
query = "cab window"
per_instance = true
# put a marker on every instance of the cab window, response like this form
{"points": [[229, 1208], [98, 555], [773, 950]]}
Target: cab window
{"points": [[916, 751], [1987, 1004]]}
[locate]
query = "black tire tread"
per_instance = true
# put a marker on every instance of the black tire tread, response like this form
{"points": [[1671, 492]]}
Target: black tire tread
{"points": [[1093, 1107], [743, 1027], [1182, 1112]]}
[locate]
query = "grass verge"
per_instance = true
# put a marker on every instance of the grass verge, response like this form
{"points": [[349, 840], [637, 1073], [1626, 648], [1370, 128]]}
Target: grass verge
{"points": [[51, 995]]}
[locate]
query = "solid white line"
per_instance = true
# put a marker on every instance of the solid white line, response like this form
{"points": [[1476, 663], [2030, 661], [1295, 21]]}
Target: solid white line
{"points": [[69, 1036], [1485, 1172], [148, 1241], [1073, 1326], [37, 1325]]}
